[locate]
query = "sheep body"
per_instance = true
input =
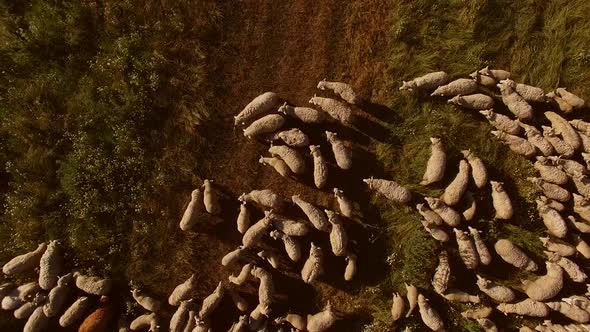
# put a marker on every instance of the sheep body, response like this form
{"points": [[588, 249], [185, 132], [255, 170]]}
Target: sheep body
{"points": [[28, 290], [553, 174], [563, 249], [292, 247], [183, 291], [305, 114], [144, 321], [565, 129], [570, 311], [582, 184], [57, 296], [289, 226], [469, 212], [455, 295], [338, 236], [435, 231], [582, 206], [502, 122], [485, 257], [536, 138], [497, 292], [479, 172], [93, 285], [293, 137], [569, 166], [585, 142], [272, 258], [239, 301], [75, 311], [290, 156], [487, 325], [344, 204], [581, 246], [266, 289], [582, 227], [351, 267], [501, 201], [467, 249], [336, 109], [37, 322], [431, 217], [429, 81], [429, 316], [50, 266], [342, 153], [448, 215], [554, 222], [435, 167], [442, 274], [344, 90], [242, 276], [455, 190], [526, 307], [263, 197], [398, 307], [581, 126], [233, 256], [412, 295], [147, 302], [570, 98], [320, 167], [513, 255], [547, 286], [265, 125], [25, 262], [314, 265], [461, 86], [476, 101], [189, 217], [572, 269], [497, 74], [25, 310], [530, 93], [561, 104], [262, 104], [561, 147], [314, 214], [481, 312], [212, 301], [552, 203], [243, 221], [297, 321], [255, 233], [321, 321], [210, 198], [516, 144], [390, 189]]}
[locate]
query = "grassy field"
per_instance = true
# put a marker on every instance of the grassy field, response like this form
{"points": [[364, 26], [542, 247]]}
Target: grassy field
{"points": [[113, 111]]}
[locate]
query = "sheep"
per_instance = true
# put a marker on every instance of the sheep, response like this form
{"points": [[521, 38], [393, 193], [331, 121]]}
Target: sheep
{"points": [[351, 267], [487, 325], [536, 138], [272, 258], [495, 291], [431, 217], [292, 247], [37, 322], [266, 288], [552, 203], [242, 276], [429, 81], [346, 206], [28, 290], [314, 214], [183, 291], [314, 265], [502, 122], [572, 269], [265, 125], [513, 255], [256, 232], [477, 313], [547, 286], [475, 102], [479, 172], [442, 274], [233, 256], [25, 310], [145, 321], [515, 102], [263, 197], [338, 236], [582, 184], [240, 326], [581, 246], [497, 74], [565, 129], [560, 103], [211, 302], [569, 166], [290, 156], [563, 249], [257, 319], [344, 90], [526, 307], [582, 206], [455, 190], [501, 201], [398, 307], [467, 249], [239, 301], [554, 222], [516, 144], [210, 199], [342, 153], [483, 79], [293, 137], [258, 106], [305, 114], [551, 190], [553, 174], [581, 126], [390, 189], [448, 215], [570, 311], [12, 300], [191, 323], [429, 316], [585, 144], [75, 311], [289, 226], [586, 157], [243, 220], [561, 147], [455, 295], [582, 227], [323, 320], [570, 98], [435, 167], [461, 86], [147, 302], [485, 257], [435, 231], [320, 167], [530, 93], [335, 109], [189, 217], [412, 295], [57, 296], [299, 322], [25, 262], [93, 285], [50, 266]]}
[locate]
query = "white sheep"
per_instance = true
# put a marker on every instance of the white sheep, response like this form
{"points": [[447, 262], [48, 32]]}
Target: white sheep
{"points": [[390, 189], [496, 74], [570, 311], [189, 217], [585, 144], [75, 311], [50, 265], [27, 291], [501, 201], [461, 86], [289, 226], [266, 289], [344, 203], [429, 81], [526, 307], [487, 325], [547, 286], [582, 184], [435, 231], [469, 212], [342, 153], [563, 249], [262, 104], [212, 301], [335, 109], [581, 246], [483, 79], [516, 144], [582, 206], [485, 257], [191, 323], [293, 137], [145, 321], [569, 166], [536, 138], [586, 158], [338, 236], [315, 215], [467, 250], [552, 203], [272, 258], [256, 232], [258, 317], [25, 310], [242, 276], [398, 307], [429, 316], [320, 167], [210, 198], [292, 247], [290, 156], [582, 227], [476, 313], [531, 93], [455, 190], [554, 222], [243, 221], [551, 190], [476, 101], [25, 262], [515, 102], [561, 147], [299, 322], [572, 269], [265, 125], [146, 302], [412, 295], [323, 320], [502, 122], [455, 295], [435, 167], [233, 256], [314, 265], [513, 255], [565, 129], [442, 274], [559, 102], [238, 300], [183, 291], [570, 98], [581, 125], [448, 215], [351, 266], [265, 197], [431, 217], [92, 284], [344, 90], [37, 322], [12, 300], [479, 172], [497, 292], [305, 114], [57, 296], [550, 173]]}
